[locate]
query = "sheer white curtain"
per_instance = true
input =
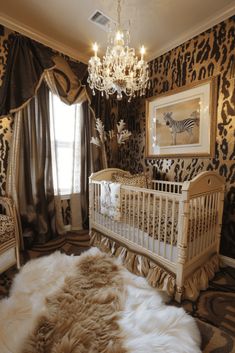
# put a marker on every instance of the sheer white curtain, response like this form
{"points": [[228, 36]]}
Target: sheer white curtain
{"points": [[65, 129]]}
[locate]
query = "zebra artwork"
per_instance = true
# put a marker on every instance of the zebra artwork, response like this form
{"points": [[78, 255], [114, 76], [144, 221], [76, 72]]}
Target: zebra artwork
{"points": [[179, 126]]}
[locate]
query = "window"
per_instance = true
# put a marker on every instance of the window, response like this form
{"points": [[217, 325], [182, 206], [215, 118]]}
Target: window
{"points": [[66, 146]]}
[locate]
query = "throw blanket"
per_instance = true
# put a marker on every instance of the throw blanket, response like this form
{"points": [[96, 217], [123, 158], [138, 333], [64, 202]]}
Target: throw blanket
{"points": [[110, 200], [90, 304]]}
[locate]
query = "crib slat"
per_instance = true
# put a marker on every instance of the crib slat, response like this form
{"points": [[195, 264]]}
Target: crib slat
{"points": [[202, 221], [97, 204], [213, 196], [138, 219], [206, 222], [190, 240], [159, 223], [166, 221], [154, 217], [198, 224], [208, 219], [125, 213], [217, 213], [148, 215], [191, 234], [133, 217], [195, 227], [143, 209], [172, 227], [210, 212], [93, 207], [216, 200], [200, 231], [129, 208], [213, 218], [96, 201]]}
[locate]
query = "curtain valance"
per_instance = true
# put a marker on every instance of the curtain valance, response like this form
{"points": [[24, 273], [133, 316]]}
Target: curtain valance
{"points": [[27, 63], [64, 82]]}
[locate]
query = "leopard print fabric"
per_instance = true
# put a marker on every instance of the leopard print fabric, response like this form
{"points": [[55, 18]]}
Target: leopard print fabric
{"points": [[6, 123], [134, 180], [6, 129], [144, 215], [4, 43], [7, 228]]}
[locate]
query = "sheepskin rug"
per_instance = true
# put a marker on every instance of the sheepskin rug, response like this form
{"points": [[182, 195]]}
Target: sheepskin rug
{"points": [[90, 304]]}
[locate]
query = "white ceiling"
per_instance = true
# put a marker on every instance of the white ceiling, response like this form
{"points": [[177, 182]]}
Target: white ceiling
{"points": [[158, 24]]}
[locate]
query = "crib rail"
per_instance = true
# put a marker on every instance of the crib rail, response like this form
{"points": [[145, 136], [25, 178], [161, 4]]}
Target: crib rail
{"points": [[167, 186]]}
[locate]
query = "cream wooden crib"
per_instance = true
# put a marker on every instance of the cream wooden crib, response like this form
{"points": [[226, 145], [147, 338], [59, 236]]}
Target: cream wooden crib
{"points": [[169, 233]]}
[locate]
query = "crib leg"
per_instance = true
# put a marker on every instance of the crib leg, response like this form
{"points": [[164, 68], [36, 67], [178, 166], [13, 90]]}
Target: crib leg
{"points": [[17, 257], [178, 294]]}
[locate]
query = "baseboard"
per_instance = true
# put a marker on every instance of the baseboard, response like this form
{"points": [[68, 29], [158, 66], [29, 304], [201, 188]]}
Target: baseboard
{"points": [[229, 261]]}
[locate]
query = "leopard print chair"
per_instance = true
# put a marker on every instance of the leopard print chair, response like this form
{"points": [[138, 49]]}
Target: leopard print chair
{"points": [[9, 235]]}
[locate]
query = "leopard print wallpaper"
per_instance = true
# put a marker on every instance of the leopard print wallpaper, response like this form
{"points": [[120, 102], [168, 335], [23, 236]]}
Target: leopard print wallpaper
{"points": [[4, 34]]}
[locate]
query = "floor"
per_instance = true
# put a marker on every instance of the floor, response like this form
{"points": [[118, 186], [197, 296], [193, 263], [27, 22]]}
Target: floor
{"points": [[214, 310]]}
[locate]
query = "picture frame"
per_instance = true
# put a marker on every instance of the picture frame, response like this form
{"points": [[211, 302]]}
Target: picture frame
{"points": [[182, 122]]}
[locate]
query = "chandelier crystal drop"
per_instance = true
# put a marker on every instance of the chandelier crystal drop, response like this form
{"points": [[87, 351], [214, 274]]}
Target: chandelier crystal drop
{"points": [[120, 70]]}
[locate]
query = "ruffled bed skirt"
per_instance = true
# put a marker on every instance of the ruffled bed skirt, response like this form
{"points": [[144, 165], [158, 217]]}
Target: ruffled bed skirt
{"points": [[200, 278], [157, 276]]}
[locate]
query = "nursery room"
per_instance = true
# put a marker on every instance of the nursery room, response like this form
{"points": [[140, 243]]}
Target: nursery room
{"points": [[117, 176]]}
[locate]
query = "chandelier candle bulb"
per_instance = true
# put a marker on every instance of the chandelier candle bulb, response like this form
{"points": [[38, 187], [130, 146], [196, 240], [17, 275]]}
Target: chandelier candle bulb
{"points": [[95, 48], [142, 52], [118, 36]]}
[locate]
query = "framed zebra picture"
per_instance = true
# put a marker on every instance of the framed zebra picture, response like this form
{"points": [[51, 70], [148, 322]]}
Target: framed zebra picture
{"points": [[182, 122]]}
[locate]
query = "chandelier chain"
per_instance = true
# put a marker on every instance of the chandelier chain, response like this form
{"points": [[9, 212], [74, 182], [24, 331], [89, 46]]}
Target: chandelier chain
{"points": [[119, 13]]}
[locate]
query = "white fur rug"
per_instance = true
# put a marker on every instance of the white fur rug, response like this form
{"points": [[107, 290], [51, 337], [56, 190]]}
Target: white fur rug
{"points": [[145, 323]]}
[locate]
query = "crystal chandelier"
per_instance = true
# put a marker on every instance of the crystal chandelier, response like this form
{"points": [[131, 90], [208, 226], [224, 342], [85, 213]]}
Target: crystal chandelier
{"points": [[120, 70]]}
